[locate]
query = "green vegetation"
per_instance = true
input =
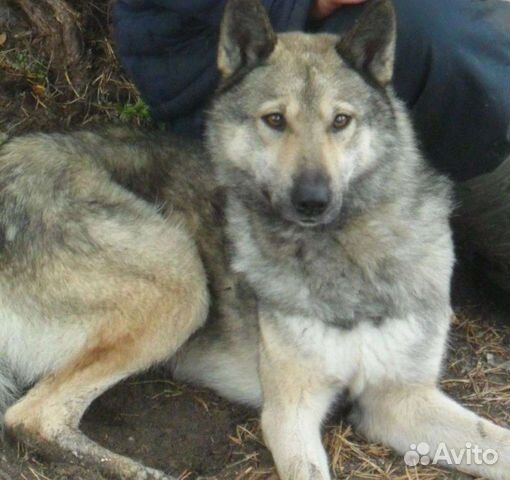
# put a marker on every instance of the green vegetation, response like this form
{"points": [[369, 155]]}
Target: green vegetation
{"points": [[134, 111]]}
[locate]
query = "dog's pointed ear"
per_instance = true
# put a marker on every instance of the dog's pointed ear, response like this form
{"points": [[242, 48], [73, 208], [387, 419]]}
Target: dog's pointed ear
{"points": [[370, 45], [246, 36]]}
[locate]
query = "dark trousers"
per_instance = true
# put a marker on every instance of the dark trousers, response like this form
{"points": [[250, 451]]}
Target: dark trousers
{"points": [[482, 219]]}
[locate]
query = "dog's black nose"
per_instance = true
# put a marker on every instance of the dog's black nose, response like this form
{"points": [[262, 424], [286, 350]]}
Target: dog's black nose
{"points": [[311, 194]]}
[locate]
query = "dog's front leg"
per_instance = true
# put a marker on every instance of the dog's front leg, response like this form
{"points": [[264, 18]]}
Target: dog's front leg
{"points": [[296, 399], [422, 420]]}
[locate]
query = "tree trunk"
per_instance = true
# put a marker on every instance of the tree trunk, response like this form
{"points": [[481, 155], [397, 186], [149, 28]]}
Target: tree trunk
{"points": [[58, 26]]}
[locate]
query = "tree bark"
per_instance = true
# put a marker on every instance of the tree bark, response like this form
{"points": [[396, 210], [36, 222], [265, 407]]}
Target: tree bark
{"points": [[58, 26]]}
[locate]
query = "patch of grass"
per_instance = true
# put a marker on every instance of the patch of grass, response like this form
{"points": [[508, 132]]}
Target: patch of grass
{"points": [[138, 111], [23, 63]]}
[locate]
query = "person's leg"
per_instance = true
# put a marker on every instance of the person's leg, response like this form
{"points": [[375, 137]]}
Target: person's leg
{"points": [[453, 71], [483, 217]]}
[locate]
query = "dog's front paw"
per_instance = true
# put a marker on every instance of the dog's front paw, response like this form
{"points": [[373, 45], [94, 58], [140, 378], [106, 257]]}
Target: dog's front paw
{"points": [[303, 470]]}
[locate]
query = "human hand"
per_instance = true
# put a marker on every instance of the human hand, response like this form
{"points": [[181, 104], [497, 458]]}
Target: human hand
{"points": [[323, 8]]}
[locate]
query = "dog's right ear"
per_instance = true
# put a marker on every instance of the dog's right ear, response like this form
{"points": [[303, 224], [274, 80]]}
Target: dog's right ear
{"points": [[246, 37]]}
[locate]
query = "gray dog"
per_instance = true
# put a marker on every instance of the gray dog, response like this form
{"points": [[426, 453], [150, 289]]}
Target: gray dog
{"points": [[305, 253]]}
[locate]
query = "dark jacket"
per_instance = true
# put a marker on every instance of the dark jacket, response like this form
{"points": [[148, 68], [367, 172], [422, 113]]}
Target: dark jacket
{"points": [[452, 67], [168, 48]]}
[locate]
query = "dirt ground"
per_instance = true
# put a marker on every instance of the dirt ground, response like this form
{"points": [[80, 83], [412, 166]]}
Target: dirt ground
{"points": [[183, 430]]}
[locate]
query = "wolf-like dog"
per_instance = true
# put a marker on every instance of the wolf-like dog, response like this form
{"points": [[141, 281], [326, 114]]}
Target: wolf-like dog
{"points": [[304, 253]]}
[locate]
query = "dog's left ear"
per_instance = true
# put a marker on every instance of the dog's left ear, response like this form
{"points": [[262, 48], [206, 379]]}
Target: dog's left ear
{"points": [[370, 45], [246, 36]]}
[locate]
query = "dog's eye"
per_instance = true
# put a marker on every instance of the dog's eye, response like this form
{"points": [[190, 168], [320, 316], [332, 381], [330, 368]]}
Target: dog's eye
{"points": [[341, 121], [275, 121]]}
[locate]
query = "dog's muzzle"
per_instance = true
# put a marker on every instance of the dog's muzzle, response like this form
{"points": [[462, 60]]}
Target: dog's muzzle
{"points": [[310, 197]]}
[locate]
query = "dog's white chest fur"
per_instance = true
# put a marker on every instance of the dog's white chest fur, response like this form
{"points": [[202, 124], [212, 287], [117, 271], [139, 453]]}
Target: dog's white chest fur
{"points": [[355, 358]]}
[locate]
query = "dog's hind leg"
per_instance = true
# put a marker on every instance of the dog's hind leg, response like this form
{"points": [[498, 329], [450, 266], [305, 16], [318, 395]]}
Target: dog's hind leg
{"points": [[47, 418], [137, 310], [418, 419]]}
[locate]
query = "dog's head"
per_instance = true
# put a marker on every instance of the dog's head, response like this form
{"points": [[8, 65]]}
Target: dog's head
{"points": [[300, 117]]}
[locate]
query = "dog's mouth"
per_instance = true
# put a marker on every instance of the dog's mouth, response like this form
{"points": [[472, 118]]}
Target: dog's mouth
{"points": [[329, 217], [309, 222]]}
